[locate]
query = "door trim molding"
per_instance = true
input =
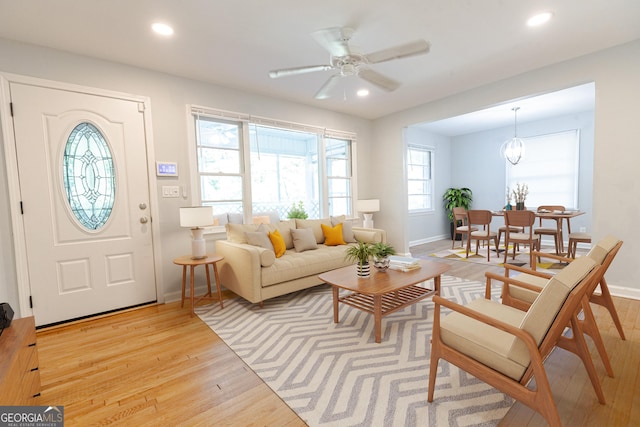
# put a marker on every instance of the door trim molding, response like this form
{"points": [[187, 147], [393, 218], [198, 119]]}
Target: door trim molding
{"points": [[13, 183]]}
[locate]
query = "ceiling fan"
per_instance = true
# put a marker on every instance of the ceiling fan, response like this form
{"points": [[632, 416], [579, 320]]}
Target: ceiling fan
{"points": [[352, 63]]}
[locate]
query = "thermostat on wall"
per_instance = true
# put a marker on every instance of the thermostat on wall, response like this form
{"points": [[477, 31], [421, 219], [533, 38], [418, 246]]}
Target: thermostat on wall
{"points": [[166, 169]]}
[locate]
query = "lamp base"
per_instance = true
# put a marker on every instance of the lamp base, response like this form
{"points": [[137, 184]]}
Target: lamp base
{"points": [[368, 220], [198, 246]]}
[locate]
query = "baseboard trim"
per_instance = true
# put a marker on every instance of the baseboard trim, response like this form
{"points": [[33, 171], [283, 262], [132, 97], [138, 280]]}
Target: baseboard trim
{"points": [[624, 292]]}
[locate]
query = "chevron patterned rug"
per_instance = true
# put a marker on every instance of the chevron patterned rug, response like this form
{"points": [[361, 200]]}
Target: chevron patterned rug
{"points": [[336, 375], [522, 257]]}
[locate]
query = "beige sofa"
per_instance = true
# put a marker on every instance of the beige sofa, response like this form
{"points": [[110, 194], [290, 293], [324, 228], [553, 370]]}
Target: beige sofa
{"points": [[253, 271]]}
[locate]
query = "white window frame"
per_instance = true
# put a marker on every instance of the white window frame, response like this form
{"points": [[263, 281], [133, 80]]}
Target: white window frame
{"points": [[248, 120], [429, 182]]}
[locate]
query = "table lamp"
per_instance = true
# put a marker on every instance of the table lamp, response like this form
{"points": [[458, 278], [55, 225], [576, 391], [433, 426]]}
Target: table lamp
{"points": [[368, 207], [195, 217]]}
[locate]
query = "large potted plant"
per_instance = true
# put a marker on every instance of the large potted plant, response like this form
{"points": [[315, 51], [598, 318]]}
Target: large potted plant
{"points": [[455, 198], [360, 253]]}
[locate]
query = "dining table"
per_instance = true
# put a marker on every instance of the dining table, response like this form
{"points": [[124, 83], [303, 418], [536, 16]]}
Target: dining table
{"points": [[558, 216]]}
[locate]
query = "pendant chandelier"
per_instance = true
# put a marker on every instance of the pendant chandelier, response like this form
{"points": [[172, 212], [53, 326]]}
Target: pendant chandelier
{"points": [[513, 149]]}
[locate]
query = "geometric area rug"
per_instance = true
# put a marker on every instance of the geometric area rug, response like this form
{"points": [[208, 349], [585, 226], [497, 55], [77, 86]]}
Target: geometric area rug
{"points": [[547, 265], [337, 375]]}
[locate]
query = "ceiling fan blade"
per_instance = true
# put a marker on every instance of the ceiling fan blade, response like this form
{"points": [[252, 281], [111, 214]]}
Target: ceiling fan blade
{"points": [[335, 40], [274, 74], [327, 87], [379, 80], [417, 47]]}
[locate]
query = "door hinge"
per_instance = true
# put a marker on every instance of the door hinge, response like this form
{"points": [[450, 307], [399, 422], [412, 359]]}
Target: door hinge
{"points": [[21, 208], [11, 108], [30, 301]]}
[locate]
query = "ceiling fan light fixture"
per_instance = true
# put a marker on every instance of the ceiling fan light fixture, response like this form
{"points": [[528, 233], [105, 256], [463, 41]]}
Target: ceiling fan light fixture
{"points": [[362, 93], [539, 19], [513, 149]]}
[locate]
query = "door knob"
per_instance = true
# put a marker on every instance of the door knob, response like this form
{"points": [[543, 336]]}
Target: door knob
{"points": [[143, 220], [142, 206]]}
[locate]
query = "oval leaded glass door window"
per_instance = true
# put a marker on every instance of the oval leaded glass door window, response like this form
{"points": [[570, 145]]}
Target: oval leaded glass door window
{"points": [[89, 176]]}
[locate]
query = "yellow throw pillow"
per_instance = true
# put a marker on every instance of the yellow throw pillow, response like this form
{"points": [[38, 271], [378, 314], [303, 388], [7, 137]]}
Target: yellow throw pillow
{"points": [[333, 235], [278, 243]]}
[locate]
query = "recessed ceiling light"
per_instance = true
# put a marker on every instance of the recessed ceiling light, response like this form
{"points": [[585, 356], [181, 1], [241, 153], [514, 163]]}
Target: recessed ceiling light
{"points": [[162, 29], [363, 92], [539, 19]]}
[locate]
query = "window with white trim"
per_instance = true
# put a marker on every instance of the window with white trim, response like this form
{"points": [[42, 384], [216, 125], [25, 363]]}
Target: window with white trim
{"points": [[419, 178], [550, 169], [258, 165]]}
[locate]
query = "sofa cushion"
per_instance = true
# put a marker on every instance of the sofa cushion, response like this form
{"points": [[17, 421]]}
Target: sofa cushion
{"points": [[485, 343], [278, 243], [332, 235], [347, 228], [546, 306], [236, 232], [295, 265], [303, 239], [285, 227], [258, 238], [314, 224]]}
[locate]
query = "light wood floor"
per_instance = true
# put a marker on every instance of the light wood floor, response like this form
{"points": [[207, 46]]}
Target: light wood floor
{"points": [[156, 365]]}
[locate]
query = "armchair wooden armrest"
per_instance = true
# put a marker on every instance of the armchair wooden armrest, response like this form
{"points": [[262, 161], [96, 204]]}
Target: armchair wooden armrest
{"points": [[509, 267], [560, 258], [507, 281]]}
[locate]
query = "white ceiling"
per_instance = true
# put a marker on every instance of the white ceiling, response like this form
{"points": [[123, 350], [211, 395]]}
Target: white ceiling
{"points": [[577, 99], [236, 42]]}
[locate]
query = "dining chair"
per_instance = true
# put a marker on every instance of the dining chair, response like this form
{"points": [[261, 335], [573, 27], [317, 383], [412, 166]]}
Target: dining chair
{"points": [[481, 218], [503, 229], [551, 231], [574, 239], [525, 220], [506, 347], [460, 216]]}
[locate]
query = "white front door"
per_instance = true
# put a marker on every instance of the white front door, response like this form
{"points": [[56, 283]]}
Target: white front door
{"points": [[84, 187]]}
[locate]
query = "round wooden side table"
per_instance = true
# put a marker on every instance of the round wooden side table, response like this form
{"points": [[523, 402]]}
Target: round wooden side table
{"points": [[186, 261]]}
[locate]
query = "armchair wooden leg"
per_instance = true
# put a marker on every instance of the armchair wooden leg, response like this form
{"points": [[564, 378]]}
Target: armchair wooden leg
{"points": [[590, 328], [578, 346], [606, 301], [435, 353]]}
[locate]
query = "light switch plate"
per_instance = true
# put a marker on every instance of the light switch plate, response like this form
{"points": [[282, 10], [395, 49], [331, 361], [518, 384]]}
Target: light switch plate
{"points": [[170, 191]]}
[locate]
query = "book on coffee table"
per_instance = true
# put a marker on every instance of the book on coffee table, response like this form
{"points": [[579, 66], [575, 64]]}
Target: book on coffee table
{"points": [[401, 263]]}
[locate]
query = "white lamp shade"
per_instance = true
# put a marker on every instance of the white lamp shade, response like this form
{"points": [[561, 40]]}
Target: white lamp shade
{"points": [[196, 216], [369, 205]]}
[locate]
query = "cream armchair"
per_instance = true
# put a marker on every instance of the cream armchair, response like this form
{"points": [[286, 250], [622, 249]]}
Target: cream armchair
{"points": [[504, 346]]}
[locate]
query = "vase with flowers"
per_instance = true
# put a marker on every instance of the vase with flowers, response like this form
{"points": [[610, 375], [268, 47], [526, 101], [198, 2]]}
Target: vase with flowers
{"points": [[520, 195]]}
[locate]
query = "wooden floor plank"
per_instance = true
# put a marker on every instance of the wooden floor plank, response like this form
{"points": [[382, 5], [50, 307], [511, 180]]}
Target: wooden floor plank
{"points": [[157, 365]]}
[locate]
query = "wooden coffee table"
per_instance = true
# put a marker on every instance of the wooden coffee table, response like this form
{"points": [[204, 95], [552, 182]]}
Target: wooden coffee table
{"points": [[383, 293]]}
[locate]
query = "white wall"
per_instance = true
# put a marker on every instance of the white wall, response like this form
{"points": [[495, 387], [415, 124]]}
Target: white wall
{"points": [[169, 96], [616, 73], [426, 227]]}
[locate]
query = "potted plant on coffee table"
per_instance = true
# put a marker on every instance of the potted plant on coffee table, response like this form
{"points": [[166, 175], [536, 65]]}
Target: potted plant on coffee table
{"points": [[361, 252], [455, 198], [381, 253]]}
